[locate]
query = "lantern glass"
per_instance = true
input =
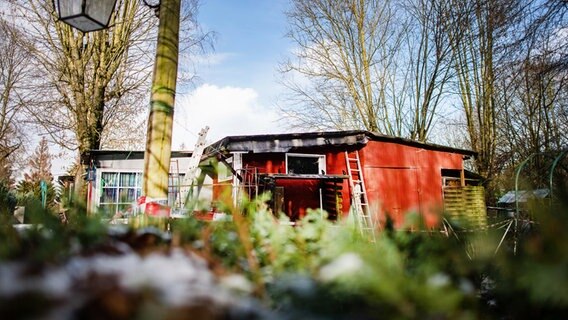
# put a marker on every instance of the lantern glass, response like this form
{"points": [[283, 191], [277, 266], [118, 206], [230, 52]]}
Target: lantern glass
{"points": [[85, 15]]}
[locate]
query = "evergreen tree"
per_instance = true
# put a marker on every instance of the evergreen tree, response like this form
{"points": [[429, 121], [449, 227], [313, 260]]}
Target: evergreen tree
{"points": [[7, 200], [40, 170], [7, 195], [7, 172]]}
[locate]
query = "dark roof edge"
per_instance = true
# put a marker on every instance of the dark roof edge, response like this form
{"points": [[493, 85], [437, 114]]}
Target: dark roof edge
{"points": [[425, 145], [233, 143], [133, 153], [284, 142]]}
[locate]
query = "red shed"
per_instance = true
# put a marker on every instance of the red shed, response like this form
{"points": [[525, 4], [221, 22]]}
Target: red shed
{"points": [[327, 169]]}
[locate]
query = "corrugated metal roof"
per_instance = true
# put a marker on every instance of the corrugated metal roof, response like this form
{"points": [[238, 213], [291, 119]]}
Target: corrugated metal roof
{"points": [[524, 195]]}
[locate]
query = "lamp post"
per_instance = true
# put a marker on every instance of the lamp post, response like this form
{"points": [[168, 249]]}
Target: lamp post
{"points": [[91, 15], [85, 15]]}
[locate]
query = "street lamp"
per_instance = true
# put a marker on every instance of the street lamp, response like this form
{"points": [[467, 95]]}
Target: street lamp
{"points": [[160, 120], [85, 15]]}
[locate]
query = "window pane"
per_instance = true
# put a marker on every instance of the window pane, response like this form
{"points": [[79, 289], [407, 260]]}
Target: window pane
{"points": [[303, 165], [139, 180], [108, 195], [100, 10], [109, 179], [174, 181], [173, 193], [127, 210], [128, 179], [127, 195], [107, 210]]}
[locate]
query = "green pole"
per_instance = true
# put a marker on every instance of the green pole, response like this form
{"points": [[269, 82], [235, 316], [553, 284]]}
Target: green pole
{"points": [[517, 173], [43, 189], [551, 173], [160, 120]]}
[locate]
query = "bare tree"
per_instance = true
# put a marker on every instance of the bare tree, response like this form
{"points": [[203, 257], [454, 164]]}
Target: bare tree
{"points": [[474, 28], [15, 73], [533, 117], [91, 83], [428, 64], [93, 87], [389, 67], [346, 52], [376, 65]]}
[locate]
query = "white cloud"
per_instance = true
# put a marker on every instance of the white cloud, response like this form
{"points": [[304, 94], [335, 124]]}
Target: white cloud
{"points": [[227, 111], [208, 59]]}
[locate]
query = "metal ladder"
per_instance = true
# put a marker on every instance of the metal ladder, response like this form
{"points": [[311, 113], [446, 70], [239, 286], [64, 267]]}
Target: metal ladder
{"points": [[174, 181], [359, 200], [192, 169]]}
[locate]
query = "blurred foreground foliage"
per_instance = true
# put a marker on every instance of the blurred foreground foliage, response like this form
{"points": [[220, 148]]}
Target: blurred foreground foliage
{"points": [[323, 270]]}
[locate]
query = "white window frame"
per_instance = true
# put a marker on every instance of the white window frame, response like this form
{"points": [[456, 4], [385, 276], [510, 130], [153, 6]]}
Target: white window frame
{"points": [[237, 159], [320, 157], [99, 187]]}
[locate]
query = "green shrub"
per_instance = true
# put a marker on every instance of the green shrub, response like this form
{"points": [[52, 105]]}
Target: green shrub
{"points": [[8, 201], [319, 269]]}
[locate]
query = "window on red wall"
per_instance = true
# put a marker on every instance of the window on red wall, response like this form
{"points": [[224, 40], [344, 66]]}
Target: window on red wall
{"points": [[297, 163]]}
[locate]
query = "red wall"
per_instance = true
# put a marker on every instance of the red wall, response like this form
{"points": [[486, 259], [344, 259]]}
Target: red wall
{"points": [[398, 178], [300, 194], [265, 162]]}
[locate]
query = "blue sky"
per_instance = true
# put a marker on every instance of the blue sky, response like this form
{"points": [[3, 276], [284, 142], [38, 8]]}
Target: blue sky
{"points": [[252, 36], [237, 88]]}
